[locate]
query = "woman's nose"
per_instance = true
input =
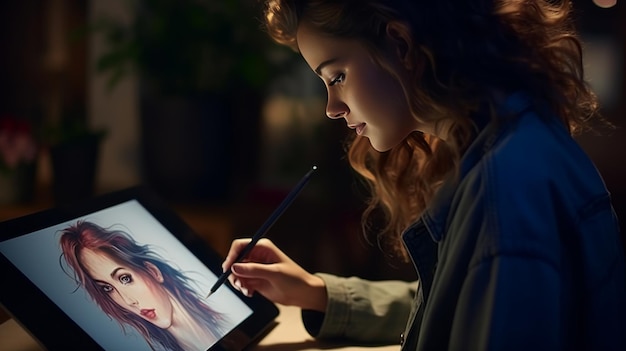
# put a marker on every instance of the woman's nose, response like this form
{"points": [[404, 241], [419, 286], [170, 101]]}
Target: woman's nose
{"points": [[129, 300], [335, 108]]}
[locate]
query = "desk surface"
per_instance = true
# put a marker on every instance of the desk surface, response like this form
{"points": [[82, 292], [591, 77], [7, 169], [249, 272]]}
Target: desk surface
{"points": [[288, 335]]}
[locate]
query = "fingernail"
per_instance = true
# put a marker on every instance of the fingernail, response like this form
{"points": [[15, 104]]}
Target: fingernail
{"points": [[245, 291]]}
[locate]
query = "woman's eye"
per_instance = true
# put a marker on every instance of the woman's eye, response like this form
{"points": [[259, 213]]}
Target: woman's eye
{"points": [[107, 288], [338, 79], [126, 279]]}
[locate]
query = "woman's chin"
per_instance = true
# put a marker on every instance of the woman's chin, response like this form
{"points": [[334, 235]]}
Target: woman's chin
{"points": [[160, 323], [381, 147]]}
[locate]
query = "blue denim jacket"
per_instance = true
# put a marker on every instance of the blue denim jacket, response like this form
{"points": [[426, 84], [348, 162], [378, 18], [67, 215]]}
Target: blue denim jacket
{"points": [[521, 251]]}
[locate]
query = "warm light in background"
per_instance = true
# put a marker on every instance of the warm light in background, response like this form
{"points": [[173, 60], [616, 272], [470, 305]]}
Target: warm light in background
{"points": [[290, 128], [605, 3], [603, 68]]}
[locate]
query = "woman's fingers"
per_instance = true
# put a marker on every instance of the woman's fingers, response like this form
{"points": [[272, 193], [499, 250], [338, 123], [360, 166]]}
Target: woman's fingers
{"points": [[235, 248], [263, 252], [244, 289], [271, 273]]}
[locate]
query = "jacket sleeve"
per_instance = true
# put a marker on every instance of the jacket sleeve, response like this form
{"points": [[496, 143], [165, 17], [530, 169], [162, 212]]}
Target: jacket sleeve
{"points": [[362, 310]]}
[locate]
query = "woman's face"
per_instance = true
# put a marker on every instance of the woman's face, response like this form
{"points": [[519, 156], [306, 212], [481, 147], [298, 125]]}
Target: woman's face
{"points": [[134, 291], [370, 100]]}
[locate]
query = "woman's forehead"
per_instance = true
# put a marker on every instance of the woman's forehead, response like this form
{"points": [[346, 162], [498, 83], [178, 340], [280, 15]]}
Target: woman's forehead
{"points": [[97, 260], [317, 47]]}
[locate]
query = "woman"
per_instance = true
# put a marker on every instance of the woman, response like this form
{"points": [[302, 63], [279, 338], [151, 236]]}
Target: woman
{"points": [[134, 286], [464, 113]]}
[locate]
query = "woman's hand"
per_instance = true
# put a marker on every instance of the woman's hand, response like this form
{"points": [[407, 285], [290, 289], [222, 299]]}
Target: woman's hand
{"points": [[268, 271]]}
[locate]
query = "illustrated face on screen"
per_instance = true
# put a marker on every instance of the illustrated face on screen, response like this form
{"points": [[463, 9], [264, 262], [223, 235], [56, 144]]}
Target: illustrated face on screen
{"points": [[127, 281], [133, 290], [137, 287]]}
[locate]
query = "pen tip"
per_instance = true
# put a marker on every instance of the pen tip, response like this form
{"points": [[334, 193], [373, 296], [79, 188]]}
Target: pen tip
{"points": [[209, 295]]}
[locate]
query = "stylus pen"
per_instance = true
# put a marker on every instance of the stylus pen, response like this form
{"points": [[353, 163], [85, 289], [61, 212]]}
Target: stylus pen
{"points": [[265, 227]]}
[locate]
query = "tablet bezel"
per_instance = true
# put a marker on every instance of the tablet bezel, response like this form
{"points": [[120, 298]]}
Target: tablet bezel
{"points": [[26, 303]]}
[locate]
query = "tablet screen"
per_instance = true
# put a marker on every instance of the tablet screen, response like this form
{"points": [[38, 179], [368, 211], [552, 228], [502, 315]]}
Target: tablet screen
{"points": [[128, 281]]}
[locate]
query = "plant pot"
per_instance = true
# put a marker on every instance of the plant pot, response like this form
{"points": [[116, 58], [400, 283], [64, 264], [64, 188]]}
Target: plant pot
{"points": [[18, 186]]}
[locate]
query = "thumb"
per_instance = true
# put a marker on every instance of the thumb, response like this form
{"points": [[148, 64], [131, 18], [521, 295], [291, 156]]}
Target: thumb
{"points": [[252, 270]]}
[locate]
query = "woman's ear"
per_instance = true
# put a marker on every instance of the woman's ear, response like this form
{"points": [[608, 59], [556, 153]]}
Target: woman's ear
{"points": [[154, 271], [400, 41]]}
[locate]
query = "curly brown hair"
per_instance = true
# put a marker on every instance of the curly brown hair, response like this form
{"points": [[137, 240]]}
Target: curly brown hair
{"points": [[466, 51]]}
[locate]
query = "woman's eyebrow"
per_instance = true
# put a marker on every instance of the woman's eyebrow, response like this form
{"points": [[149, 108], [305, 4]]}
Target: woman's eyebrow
{"points": [[115, 271], [321, 66]]}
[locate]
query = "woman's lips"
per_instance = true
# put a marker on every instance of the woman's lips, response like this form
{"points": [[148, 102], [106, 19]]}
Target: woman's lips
{"points": [[149, 314], [358, 127]]}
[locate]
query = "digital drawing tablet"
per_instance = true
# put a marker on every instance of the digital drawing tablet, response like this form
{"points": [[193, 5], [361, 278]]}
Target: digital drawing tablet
{"points": [[122, 272]]}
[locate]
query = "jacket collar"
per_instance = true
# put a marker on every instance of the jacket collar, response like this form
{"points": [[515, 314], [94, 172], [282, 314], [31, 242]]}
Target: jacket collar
{"points": [[435, 216]]}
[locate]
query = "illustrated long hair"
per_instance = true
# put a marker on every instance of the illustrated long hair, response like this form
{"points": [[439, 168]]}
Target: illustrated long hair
{"points": [[122, 247], [465, 50]]}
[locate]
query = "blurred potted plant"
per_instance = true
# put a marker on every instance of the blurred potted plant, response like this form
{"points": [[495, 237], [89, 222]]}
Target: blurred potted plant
{"points": [[63, 125], [18, 160], [198, 61], [187, 47]]}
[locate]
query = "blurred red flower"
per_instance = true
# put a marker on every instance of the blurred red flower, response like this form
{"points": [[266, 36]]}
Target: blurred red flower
{"points": [[17, 143]]}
